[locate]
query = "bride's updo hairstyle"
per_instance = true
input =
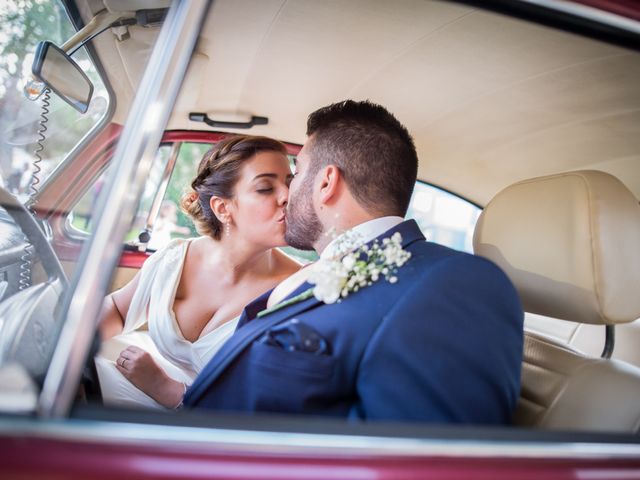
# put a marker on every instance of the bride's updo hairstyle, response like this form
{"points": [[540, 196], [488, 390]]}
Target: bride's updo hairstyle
{"points": [[218, 173]]}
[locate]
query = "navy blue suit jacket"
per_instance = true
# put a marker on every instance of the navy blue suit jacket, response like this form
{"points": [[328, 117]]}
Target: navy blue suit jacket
{"points": [[443, 344]]}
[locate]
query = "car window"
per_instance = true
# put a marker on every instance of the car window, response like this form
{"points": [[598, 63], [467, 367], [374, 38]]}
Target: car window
{"points": [[80, 220], [171, 222], [444, 217], [22, 25]]}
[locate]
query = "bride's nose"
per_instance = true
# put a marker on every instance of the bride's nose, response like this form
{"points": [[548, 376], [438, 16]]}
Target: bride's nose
{"points": [[283, 197]]}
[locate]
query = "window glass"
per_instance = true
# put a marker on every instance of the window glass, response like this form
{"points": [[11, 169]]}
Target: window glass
{"points": [[149, 195], [22, 25], [80, 218], [443, 217], [171, 221]]}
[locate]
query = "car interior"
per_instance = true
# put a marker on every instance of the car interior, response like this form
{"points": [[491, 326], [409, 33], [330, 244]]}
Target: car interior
{"points": [[562, 268], [535, 125]]}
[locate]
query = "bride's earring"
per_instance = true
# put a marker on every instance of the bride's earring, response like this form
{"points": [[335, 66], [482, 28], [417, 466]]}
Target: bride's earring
{"points": [[227, 228]]}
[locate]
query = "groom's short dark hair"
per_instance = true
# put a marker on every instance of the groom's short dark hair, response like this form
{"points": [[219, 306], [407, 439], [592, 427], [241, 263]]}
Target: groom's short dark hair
{"points": [[372, 149]]}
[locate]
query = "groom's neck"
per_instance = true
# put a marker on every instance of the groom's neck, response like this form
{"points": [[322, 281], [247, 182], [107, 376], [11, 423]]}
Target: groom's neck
{"points": [[341, 223]]}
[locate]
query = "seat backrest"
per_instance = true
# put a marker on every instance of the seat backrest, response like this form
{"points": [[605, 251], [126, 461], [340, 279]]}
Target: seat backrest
{"points": [[571, 245]]}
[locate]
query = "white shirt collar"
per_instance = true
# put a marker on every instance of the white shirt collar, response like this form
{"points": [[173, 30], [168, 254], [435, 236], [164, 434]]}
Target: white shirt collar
{"points": [[366, 231]]}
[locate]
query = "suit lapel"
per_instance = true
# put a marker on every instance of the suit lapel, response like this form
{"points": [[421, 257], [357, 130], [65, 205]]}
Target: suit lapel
{"points": [[251, 310], [251, 329]]}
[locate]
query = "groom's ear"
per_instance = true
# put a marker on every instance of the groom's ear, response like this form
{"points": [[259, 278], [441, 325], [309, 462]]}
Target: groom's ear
{"points": [[330, 179]]}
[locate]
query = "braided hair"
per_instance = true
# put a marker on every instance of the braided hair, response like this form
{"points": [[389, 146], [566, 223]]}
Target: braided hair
{"points": [[218, 173]]}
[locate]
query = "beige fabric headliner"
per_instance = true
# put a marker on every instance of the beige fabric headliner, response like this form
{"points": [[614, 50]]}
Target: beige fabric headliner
{"points": [[489, 100]]}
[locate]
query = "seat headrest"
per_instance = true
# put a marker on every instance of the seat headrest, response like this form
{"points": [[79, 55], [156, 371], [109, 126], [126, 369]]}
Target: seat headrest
{"points": [[570, 244]]}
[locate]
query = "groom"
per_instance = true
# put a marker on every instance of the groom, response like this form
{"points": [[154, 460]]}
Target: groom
{"points": [[435, 335]]}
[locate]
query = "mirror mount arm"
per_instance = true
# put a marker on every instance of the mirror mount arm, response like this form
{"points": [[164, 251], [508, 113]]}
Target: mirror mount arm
{"points": [[98, 24]]}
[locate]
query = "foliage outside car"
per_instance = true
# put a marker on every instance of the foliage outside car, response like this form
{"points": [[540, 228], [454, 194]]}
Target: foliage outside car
{"points": [[22, 25]]}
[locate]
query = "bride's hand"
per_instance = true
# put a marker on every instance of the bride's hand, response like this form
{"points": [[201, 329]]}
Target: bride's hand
{"points": [[140, 368]]}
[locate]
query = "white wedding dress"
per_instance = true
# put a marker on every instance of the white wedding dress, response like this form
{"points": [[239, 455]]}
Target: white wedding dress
{"points": [[152, 326]]}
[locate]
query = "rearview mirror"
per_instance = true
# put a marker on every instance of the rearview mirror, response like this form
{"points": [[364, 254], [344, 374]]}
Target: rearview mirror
{"points": [[62, 75]]}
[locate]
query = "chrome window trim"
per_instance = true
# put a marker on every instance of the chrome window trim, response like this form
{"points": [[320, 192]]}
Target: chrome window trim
{"points": [[139, 141], [308, 444]]}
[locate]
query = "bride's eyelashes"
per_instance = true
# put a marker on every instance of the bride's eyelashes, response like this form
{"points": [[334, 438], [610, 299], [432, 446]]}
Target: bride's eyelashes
{"points": [[264, 190]]}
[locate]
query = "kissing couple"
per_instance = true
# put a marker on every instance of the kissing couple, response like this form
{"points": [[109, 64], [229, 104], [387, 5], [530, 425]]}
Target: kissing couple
{"points": [[384, 326]]}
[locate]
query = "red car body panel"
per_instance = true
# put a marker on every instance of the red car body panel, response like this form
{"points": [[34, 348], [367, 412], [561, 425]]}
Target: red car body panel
{"points": [[63, 458], [624, 8]]}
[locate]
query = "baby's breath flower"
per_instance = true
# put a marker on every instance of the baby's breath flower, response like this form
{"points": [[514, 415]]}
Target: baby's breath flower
{"points": [[360, 266], [348, 262]]}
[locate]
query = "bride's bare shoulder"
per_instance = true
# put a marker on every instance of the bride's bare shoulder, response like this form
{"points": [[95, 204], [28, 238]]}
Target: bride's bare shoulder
{"points": [[286, 264]]}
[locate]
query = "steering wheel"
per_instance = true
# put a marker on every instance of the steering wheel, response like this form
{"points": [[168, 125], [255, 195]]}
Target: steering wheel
{"points": [[24, 219], [28, 328]]}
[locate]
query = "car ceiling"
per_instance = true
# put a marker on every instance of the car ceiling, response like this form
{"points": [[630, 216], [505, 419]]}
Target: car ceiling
{"points": [[489, 99]]}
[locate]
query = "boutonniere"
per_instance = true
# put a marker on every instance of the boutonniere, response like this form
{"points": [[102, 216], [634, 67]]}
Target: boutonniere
{"points": [[335, 278]]}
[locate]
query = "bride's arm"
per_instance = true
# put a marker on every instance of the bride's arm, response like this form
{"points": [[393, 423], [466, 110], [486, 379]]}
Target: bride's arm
{"points": [[115, 308], [140, 368]]}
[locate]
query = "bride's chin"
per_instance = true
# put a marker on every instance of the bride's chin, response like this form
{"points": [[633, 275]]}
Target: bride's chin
{"points": [[280, 243]]}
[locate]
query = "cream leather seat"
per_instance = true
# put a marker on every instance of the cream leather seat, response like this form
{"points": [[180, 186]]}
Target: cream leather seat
{"points": [[587, 338], [571, 245]]}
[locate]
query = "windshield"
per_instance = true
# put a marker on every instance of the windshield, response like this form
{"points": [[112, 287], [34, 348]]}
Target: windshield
{"points": [[22, 25]]}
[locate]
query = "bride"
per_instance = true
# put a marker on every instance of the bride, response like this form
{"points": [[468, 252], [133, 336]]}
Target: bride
{"points": [[162, 328]]}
